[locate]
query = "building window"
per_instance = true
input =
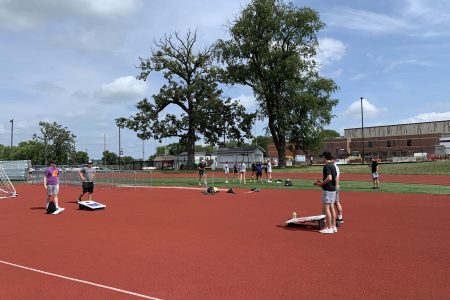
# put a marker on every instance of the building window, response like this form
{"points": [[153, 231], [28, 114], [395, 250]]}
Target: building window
{"points": [[408, 143], [388, 144], [370, 144]]}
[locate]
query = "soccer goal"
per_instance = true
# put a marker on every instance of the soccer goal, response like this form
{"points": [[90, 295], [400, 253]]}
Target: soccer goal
{"points": [[7, 190]]}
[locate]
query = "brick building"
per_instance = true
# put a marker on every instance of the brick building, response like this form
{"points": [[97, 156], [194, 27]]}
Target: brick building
{"points": [[387, 141]]}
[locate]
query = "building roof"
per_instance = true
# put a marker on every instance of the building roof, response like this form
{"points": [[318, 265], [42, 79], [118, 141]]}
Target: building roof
{"points": [[164, 158], [239, 149]]}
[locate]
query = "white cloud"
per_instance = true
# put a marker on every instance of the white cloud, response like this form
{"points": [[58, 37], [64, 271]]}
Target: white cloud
{"points": [[362, 20], [397, 63], [28, 14], [47, 87], [428, 117], [122, 89], [249, 102], [434, 12], [330, 50], [370, 110], [359, 76]]}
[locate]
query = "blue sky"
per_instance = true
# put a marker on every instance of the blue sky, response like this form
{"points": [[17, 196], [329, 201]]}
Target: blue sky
{"points": [[73, 62]]}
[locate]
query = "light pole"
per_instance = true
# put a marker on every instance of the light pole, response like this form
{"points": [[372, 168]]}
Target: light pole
{"points": [[120, 149], [362, 130], [12, 130]]}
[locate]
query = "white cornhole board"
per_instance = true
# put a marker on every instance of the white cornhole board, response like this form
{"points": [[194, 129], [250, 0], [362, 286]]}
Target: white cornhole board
{"points": [[58, 211], [320, 219], [90, 205]]}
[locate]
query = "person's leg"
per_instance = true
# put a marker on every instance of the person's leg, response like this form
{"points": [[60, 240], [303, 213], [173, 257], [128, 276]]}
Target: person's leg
{"points": [[327, 212], [333, 217], [338, 207], [243, 176]]}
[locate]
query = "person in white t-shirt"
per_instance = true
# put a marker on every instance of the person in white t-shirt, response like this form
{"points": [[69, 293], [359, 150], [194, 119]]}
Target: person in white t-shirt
{"points": [[242, 170], [226, 169], [269, 171], [337, 203]]}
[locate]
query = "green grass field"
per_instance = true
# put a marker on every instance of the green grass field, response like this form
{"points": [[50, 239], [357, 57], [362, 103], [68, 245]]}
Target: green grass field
{"points": [[441, 167], [298, 184]]}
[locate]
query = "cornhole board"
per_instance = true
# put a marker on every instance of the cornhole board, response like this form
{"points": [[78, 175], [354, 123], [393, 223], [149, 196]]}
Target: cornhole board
{"points": [[319, 221], [57, 212], [90, 205]]}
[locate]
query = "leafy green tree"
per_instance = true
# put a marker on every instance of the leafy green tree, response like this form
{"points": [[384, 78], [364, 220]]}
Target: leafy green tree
{"points": [[109, 158], [192, 90], [59, 142], [272, 49], [30, 150], [79, 157], [311, 140], [263, 142]]}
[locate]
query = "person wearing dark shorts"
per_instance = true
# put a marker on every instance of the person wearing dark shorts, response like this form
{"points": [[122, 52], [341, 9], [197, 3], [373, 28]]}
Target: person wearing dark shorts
{"points": [[87, 174], [258, 172], [201, 172], [253, 171], [375, 175], [235, 170]]}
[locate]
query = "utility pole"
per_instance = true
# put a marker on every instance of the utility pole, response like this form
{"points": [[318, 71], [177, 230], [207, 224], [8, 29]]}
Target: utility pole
{"points": [[12, 130], [362, 130], [120, 150]]}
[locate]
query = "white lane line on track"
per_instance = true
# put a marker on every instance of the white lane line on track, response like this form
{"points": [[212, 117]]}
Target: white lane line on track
{"points": [[80, 281]]}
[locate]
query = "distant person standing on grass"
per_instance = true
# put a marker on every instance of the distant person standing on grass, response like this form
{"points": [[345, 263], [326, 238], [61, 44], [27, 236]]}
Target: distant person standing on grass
{"points": [[337, 202], [269, 171], [375, 175], [87, 174], [201, 171], [253, 171], [258, 172], [328, 185], [51, 185], [226, 169], [235, 170], [242, 170]]}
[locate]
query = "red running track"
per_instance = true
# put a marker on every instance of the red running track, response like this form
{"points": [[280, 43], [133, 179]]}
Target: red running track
{"points": [[180, 244]]}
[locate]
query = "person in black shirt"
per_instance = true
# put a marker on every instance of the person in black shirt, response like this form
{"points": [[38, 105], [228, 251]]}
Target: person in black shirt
{"points": [[328, 185], [201, 172], [375, 175]]}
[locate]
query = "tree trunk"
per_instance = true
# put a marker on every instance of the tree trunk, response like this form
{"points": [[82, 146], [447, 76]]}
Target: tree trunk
{"points": [[281, 148], [190, 148]]}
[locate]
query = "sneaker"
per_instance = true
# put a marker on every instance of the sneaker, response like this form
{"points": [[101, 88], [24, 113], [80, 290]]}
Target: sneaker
{"points": [[339, 221], [326, 230], [226, 181], [334, 229]]}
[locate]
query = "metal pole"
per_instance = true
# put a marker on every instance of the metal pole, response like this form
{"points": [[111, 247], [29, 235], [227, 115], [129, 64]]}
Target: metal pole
{"points": [[362, 130], [12, 130], [120, 149]]}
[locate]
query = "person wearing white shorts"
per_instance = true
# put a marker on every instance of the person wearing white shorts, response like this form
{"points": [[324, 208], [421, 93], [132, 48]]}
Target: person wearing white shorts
{"points": [[51, 185], [328, 185]]}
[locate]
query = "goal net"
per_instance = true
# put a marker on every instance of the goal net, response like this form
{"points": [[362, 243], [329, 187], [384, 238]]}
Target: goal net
{"points": [[7, 190]]}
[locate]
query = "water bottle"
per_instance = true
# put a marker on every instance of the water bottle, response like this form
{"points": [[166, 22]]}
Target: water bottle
{"points": [[294, 215]]}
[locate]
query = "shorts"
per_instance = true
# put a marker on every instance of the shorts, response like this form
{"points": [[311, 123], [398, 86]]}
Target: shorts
{"points": [[375, 175], [258, 173], [201, 172], [328, 197], [52, 189], [337, 195], [88, 187]]}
